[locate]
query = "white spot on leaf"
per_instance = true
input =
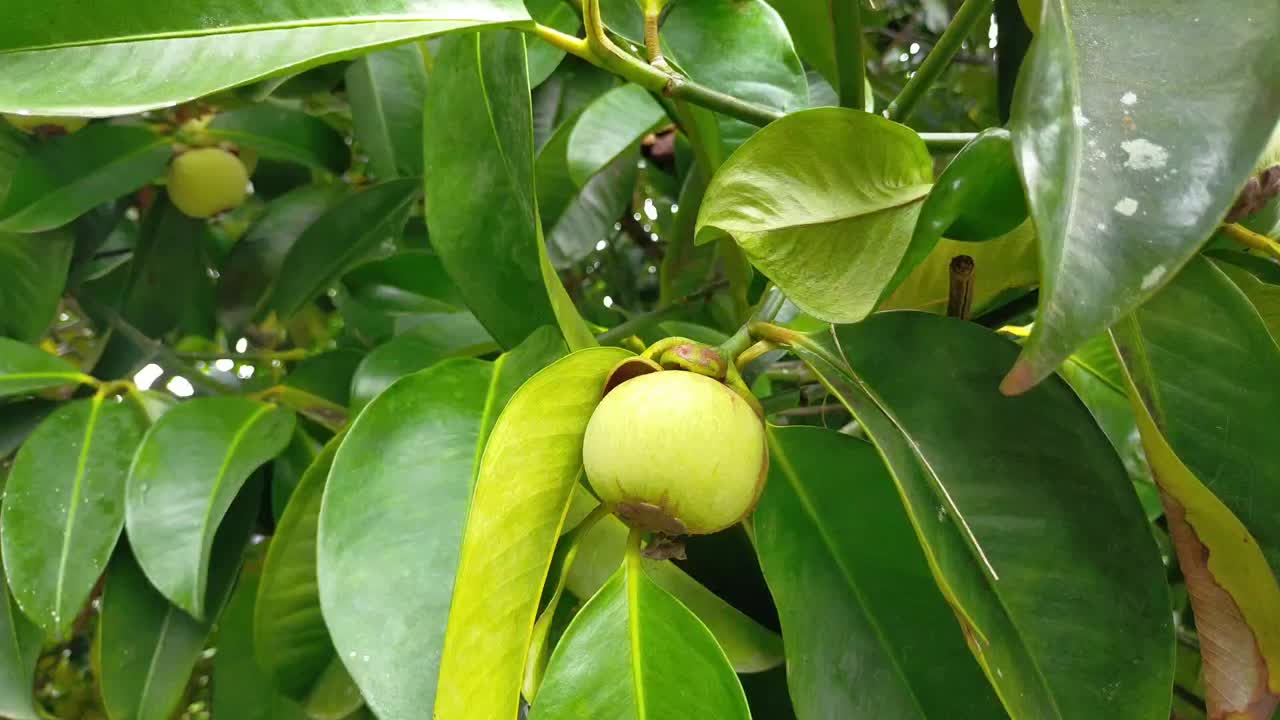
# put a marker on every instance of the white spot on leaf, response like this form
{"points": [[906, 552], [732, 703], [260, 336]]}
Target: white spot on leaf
{"points": [[1144, 154], [1129, 98], [1127, 207], [1153, 278]]}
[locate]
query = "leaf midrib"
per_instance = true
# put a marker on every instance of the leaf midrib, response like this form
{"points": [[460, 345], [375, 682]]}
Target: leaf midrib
{"points": [[197, 600], [95, 407], [633, 630], [954, 516], [909, 195], [339, 21]]}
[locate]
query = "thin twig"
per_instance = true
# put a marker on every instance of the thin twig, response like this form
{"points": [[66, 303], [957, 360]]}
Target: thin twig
{"points": [[967, 17], [648, 319]]}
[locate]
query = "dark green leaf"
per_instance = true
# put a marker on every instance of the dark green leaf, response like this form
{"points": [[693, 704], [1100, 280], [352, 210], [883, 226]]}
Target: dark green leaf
{"points": [[169, 286], [240, 688], [192, 463], [1129, 161], [387, 91], [408, 282], [254, 262], [64, 507], [1015, 539], [868, 634], [33, 271], [59, 180], [569, 89], [635, 651], [18, 419], [24, 369], [489, 236], [145, 647], [830, 229], [327, 375], [283, 134], [292, 643], [18, 661], [611, 125], [433, 338], [576, 218], [401, 479], [341, 236]]}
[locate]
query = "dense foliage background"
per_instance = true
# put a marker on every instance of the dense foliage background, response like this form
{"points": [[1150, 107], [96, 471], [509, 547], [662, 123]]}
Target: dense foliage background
{"points": [[319, 455]]}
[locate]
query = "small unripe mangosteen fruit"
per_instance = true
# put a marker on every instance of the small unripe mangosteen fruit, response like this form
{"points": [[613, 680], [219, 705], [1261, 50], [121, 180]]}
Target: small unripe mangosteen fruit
{"points": [[46, 125], [676, 452], [206, 181]]}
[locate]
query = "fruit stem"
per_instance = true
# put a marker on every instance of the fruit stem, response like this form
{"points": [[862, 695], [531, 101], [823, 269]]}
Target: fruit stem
{"points": [[754, 353], [634, 542], [652, 43]]}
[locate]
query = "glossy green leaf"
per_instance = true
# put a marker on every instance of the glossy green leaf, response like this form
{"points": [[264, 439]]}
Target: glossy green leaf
{"points": [[563, 95], [868, 634], [1013, 540], [433, 338], [413, 281], [1094, 373], [18, 419], [288, 467], [18, 660], [1263, 295], [544, 57], [526, 476], [1199, 363], [1001, 265], [240, 688], [1109, 142], [809, 24], [283, 134], [190, 466], [739, 47], [387, 90], [403, 478], [611, 125], [290, 640], [115, 21], [635, 651], [576, 218], [255, 260], [13, 145], [339, 238], [57, 181], [64, 507], [488, 237], [327, 375], [33, 271], [977, 197], [145, 647], [170, 57], [831, 228], [169, 284], [750, 646], [25, 368]]}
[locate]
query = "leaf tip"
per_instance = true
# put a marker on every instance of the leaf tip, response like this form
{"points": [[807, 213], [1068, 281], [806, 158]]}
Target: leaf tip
{"points": [[1021, 378]]}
